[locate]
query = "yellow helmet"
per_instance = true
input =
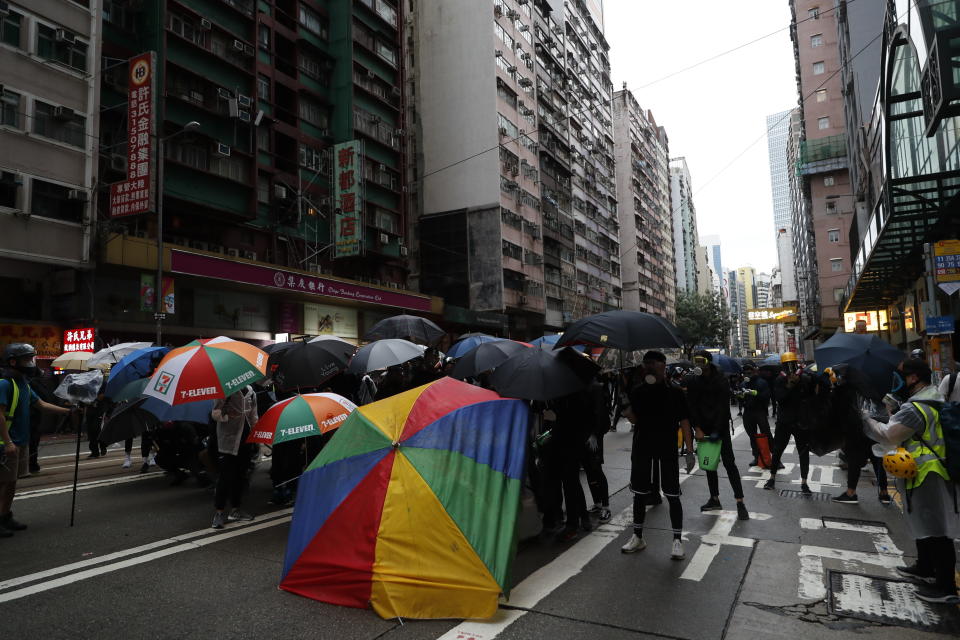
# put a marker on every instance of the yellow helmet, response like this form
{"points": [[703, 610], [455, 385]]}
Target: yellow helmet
{"points": [[788, 356], [900, 464]]}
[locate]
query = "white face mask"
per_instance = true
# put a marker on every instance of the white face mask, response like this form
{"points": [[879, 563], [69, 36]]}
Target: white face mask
{"points": [[650, 378], [697, 371]]}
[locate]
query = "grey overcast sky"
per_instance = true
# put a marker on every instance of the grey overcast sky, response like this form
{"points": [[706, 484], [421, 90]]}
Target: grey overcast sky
{"points": [[714, 112]]}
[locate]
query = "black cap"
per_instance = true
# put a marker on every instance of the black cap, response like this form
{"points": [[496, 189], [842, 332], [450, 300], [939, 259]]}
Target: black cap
{"points": [[655, 355], [748, 364]]}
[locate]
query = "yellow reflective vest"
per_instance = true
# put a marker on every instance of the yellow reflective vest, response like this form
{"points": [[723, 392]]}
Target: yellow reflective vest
{"points": [[930, 448]]}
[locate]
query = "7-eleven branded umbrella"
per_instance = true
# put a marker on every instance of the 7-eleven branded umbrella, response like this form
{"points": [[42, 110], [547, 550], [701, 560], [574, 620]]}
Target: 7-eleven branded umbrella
{"points": [[412, 506], [303, 416], [206, 370]]}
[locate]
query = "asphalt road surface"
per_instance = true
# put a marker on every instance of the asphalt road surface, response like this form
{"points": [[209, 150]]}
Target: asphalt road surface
{"points": [[142, 562]]}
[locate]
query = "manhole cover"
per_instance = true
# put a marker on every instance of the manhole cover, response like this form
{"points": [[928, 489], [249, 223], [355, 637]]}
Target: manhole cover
{"points": [[793, 493], [854, 522], [888, 602]]}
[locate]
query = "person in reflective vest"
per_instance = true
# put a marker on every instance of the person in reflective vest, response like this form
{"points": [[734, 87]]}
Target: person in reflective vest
{"points": [[931, 500]]}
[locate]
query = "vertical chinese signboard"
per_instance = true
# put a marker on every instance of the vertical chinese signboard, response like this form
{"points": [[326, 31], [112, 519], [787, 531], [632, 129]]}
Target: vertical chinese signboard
{"points": [[347, 187], [947, 260], [136, 194]]}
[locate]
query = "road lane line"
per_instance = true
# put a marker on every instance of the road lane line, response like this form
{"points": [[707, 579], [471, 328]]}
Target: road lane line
{"points": [[92, 484], [33, 577], [131, 562]]}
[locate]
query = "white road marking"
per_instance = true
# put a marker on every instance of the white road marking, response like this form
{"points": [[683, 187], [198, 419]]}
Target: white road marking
{"points": [[860, 594], [826, 477], [66, 568], [92, 484], [710, 543], [130, 562], [764, 474]]}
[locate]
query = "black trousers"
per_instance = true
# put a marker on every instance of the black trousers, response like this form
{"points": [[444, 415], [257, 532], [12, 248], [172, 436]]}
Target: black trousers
{"points": [[573, 498], [232, 479], [730, 464], [592, 462], [938, 557], [145, 445], [94, 420], [780, 441], [755, 421], [857, 454]]}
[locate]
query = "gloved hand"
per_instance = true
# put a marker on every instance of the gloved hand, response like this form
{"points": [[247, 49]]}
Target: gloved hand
{"points": [[592, 443], [752, 392], [691, 461]]}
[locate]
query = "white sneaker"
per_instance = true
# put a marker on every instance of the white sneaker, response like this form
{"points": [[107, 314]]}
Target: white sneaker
{"points": [[152, 460], [634, 544], [127, 462], [677, 552]]}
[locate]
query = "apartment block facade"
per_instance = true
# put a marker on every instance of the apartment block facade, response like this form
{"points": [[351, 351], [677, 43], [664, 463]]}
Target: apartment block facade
{"points": [[685, 237]]}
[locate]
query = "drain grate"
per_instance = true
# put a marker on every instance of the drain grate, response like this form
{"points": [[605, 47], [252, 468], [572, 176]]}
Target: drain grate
{"points": [[794, 493], [886, 601], [854, 521]]}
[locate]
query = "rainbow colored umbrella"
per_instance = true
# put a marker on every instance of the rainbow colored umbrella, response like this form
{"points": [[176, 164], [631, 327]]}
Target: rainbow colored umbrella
{"points": [[311, 414], [411, 508], [206, 370]]}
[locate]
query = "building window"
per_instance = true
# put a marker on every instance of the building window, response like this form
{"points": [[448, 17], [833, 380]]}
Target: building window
{"points": [[836, 264], [833, 235], [813, 13], [59, 123], [512, 250], [117, 13], [831, 206], [818, 68], [828, 181], [50, 201], [263, 189], [387, 52], [311, 158], [10, 108], [8, 190], [186, 28], [506, 93], [507, 127], [823, 123], [10, 29], [816, 40], [313, 113], [263, 36], [49, 46], [821, 95], [263, 87], [312, 21], [838, 294], [263, 139]]}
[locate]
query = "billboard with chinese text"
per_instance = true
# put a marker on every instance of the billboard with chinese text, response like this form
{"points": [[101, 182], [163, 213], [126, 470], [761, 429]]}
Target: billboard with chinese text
{"points": [[347, 229], [774, 315], [136, 194]]}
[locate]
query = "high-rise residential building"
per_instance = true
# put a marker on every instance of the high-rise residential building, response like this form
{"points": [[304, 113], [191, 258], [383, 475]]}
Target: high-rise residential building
{"points": [[685, 238], [705, 276], [801, 240], [518, 200], [282, 207], [715, 260], [822, 158], [782, 177], [49, 101], [747, 299], [738, 315], [643, 194], [764, 332], [778, 131]]}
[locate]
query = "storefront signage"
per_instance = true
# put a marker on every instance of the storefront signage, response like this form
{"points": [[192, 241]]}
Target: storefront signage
{"points": [[946, 256], [773, 315], [208, 266], [939, 324], [322, 319], [78, 339], [875, 320], [347, 187], [136, 194], [44, 338]]}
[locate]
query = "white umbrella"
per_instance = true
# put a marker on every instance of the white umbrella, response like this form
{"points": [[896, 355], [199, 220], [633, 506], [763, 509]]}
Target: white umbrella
{"points": [[73, 360], [105, 358], [384, 353]]}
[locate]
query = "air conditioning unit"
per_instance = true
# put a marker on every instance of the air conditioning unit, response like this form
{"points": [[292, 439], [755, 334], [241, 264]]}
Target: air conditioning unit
{"points": [[215, 248], [62, 35], [497, 11], [398, 132], [371, 74], [233, 253], [511, 69], [238, 45], [250, 255], [384, 238], [196, 96], [244, 116], [523, 300], [393, 285], [524, 27], [248, 50], [280, 192], [404, 251], [118, 162], [499, 53], [205, 24], [9, 177], [503, 132], [513, 15], [525, 82], [224, 93], [396, 91], [62, 113], [244, 101], [79, 195], [381, 167], [223, 149]]}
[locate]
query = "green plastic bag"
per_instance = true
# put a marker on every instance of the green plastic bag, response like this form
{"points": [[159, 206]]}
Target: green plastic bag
{"points": [[708, 454]]}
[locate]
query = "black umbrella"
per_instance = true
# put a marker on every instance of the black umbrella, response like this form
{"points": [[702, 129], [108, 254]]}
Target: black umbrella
{"points": [[621, 329], [539, 374], [868, 354], [310, 364], [408, 327], [382, 354], [127, 420], [485, 357]]}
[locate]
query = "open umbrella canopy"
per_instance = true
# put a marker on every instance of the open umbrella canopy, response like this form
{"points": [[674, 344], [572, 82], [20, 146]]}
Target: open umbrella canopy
{"points": [[412, 506], [72, 360], [382, 354], [310, 364], [127, 420], [405, 326], [112, 355], [538, 374], [726, 363], [485, 357], [549, 342], [136, 365], [463, 345], [770, 362], [311, 414], [875, 359], [206, 370], [622, 329]]}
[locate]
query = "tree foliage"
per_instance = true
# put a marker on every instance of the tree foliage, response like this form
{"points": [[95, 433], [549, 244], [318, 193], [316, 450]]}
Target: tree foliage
{"points": [[703, 320]]}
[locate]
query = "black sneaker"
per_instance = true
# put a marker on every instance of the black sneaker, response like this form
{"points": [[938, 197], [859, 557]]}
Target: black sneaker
{"points": [[933, 593], [805, 489], [752, 463], [713, 504], [885, 499], [7, 522], [846, 498], [915, 574], [771, 484], [604, 515], [594, 510], [568, 534], [742, 513]]}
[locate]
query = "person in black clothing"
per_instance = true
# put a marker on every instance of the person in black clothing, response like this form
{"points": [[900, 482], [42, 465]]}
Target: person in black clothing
{"points": [[574, 426], [708, 395], [756, 396], [659, 409], [392, 383], [591, 458], [792, 389]]}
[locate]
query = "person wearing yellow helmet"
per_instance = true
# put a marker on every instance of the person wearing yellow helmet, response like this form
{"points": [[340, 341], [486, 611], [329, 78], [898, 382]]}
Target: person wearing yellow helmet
{"points": [[931, 512]]}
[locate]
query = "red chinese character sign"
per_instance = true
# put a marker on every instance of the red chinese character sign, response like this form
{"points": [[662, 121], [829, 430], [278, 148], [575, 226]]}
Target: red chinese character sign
{"points": [[136, 194], [347, 187], [78, 340]]}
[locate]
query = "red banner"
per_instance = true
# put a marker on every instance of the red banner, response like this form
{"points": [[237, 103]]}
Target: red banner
{"points": [[136, 194], [42, 337], [78, 339]]}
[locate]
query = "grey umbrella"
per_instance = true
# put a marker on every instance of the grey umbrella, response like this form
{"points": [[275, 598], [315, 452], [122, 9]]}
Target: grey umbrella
{"points": [[382, 354], [405, 326]]}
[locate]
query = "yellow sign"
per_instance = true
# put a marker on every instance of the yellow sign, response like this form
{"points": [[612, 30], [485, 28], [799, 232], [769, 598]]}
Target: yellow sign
{"points": [[774, 315], [875, 320], [946, 257]]}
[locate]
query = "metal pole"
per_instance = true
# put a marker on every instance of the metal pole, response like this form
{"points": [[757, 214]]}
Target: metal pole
{"points": [[158, 286]]}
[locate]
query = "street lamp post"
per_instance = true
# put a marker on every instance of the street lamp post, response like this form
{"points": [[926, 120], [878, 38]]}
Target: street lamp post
{"points": [[158, 314]]}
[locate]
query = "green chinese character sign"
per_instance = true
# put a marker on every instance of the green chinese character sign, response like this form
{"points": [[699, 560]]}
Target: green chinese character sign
{"points": [[348, 195]]}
